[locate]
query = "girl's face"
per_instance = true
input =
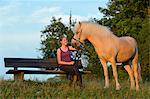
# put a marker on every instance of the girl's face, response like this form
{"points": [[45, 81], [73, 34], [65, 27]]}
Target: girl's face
{"points": [[64, 41]]}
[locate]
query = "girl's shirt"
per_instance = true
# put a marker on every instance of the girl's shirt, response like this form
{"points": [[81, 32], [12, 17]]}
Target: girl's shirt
{"points": [[65, 56]]}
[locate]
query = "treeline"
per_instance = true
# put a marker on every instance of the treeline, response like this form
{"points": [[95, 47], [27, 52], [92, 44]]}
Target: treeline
{"points": [[123, 17]]}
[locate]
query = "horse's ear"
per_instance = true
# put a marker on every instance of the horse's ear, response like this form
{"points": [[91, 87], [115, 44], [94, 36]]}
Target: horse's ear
{"points": [[79, 23]]}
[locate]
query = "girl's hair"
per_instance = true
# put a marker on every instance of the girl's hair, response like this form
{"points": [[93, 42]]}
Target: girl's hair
{"points": [[61, 37]]}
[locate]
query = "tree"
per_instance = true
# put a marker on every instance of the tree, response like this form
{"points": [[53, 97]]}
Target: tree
{"points": [[124, 17], [144, 48], [51, 34]]}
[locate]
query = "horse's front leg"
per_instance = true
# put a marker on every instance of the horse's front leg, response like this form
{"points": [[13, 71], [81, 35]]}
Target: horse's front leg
{"points": [[105, 68], [115, 74]]}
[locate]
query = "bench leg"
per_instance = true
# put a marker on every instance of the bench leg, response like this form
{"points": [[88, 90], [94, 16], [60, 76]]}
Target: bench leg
{"points": [[19, 76]]}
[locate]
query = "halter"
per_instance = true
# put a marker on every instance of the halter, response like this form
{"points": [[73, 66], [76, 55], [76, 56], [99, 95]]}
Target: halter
{"points": [[78, 40], [82, 47]]}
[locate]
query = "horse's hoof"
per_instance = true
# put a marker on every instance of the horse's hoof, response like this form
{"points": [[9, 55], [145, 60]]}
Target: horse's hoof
{"points": [[132, 88], [118, 87], [137, 89], [105, 87]]}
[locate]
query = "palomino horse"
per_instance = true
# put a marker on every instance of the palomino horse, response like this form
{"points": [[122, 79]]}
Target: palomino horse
{"points": [[110, 48]]}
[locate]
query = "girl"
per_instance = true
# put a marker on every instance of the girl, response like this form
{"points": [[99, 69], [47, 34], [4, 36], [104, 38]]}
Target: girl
{"points": [[66, 63]]}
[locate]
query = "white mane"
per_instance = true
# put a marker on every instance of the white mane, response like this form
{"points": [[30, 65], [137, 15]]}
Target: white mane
{"points": [[90, 27]]}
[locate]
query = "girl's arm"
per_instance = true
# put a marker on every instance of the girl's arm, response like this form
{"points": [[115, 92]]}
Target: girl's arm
{"points": [[72, 48], [62, 62]]}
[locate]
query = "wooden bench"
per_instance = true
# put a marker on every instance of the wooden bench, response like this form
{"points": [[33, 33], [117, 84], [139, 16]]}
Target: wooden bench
{"points": [[46, 66]]}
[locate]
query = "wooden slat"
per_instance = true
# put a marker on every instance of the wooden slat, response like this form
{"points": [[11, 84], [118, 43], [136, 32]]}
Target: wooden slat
{"points": [[41, 72], [32, 65], [30, 62], [35, 72]]}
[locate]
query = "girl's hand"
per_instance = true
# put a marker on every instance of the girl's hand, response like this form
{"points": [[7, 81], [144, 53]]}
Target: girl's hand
{"points": [[72, 62], [72, 48]]}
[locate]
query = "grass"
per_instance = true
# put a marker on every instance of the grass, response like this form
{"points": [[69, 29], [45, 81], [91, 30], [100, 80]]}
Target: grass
{"points": [[58, 89]]}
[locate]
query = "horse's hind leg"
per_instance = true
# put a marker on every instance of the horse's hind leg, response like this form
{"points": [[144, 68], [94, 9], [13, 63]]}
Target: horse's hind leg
{"points": [[115, 74], [105, 68], [130, 72], [135, 70], [139, 72]]}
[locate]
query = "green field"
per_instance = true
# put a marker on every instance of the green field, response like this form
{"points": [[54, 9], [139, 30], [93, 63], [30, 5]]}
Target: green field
{"points": [[56, 88]]}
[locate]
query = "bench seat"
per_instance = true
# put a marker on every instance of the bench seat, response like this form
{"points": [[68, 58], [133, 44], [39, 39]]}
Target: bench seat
{"points": [[47, 66]]}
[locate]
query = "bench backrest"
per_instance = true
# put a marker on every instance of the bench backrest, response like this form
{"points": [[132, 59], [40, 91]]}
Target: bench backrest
{"points": [[31, 63]]}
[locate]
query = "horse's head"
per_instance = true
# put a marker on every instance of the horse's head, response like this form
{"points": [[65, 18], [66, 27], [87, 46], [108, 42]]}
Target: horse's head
{"points": [[78, 37]]}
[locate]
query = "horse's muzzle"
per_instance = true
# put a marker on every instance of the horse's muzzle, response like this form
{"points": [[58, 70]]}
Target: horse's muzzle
{"points": [[75, 44]]}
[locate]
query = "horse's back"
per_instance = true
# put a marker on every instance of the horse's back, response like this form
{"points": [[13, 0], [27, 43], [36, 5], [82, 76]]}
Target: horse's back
{"points": [[128, 40]]}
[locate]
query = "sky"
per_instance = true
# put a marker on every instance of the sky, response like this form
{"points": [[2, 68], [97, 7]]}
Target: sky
{"points": [[22, 20]]}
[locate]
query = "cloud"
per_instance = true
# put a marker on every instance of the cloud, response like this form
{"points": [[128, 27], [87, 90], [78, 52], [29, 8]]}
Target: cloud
{"points": [[19, 42], [20, 38], [47, 11], [8, 15], [9, 7], [44, 15], [11, 14], [65, 18]]}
